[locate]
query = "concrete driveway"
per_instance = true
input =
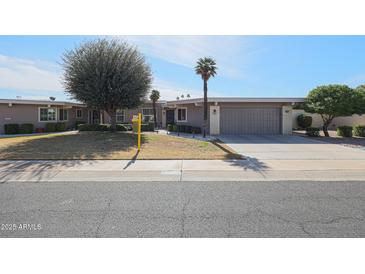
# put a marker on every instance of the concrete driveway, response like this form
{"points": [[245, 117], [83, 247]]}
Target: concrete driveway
{"points": [[279, 147]]}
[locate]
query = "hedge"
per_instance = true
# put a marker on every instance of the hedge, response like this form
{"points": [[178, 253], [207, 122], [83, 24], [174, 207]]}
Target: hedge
{"points": [[184, 128], [312, 131], [359, 131], [50, 127], [344, 131], [77, 123], [60, 126], [11, 128], [26, 128], [304, 121], [94, 127]]}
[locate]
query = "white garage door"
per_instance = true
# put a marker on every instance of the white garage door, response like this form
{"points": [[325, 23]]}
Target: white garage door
{"points": [[241, 121]]}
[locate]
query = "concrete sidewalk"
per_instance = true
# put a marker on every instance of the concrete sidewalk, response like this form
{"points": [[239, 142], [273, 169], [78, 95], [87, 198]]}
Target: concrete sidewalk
{"points": [[181, 170]]}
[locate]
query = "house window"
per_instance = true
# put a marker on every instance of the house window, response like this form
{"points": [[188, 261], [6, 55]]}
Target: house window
{"points": [[63, 115], [181, 115], [47, 114], [78, 113], [147, 115], [120, 115]]}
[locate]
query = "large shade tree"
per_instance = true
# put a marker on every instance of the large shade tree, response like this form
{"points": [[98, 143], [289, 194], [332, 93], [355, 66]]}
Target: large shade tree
{"points": [[106, 74], [206, 68], [154, 97], [335, 100]]}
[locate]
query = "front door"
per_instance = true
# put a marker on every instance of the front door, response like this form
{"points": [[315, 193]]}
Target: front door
{"points": [[170, 116]]}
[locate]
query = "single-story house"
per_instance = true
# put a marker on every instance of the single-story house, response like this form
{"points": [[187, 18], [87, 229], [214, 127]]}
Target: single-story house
{"points": [[235, 116], [41, 112], [231, 116]]}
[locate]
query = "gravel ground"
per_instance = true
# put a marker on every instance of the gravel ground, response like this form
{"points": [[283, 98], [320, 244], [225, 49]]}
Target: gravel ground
{"points": [[356, 142]]}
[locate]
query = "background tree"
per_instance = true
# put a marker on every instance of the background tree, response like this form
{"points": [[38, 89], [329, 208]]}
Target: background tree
{"points": [[154, 97], [206, 68], [107, 75], [335, 100]]}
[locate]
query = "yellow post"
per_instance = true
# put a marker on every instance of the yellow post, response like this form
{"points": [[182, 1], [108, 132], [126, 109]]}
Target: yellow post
{"points": [[139, 130]]}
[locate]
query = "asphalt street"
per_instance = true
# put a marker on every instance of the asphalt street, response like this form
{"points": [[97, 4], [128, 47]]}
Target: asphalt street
{"points": [[183, 209]]}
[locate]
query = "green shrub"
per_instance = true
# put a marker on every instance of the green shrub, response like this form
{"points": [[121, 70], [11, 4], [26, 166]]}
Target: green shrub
{"points": [[359, 131], [94, 127], [312, 131], [121, 127], [344, 131], [77, 123], [127, 126], [51, 127], [26, 128], [304, 121], [170, 127], [60, 126], [196, 130], [148, 127], [11, 128], [174, 128]]}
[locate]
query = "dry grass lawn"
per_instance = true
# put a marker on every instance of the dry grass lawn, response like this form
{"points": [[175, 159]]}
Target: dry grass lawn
{"points": [[107, 145]]}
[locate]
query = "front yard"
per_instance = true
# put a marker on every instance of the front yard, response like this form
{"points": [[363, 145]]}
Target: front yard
{"points": [[107, 145]]}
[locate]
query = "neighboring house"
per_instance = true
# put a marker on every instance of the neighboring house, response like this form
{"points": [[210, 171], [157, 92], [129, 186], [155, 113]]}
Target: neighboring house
{"points": [[231, 116], [39, 112], [338, 121]]}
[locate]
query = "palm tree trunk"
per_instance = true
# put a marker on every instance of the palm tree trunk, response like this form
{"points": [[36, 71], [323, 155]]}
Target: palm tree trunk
{"points": [[205, 108], [154, 113]]}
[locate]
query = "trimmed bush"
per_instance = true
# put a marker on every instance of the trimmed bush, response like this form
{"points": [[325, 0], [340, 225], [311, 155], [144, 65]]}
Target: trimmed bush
{"points": [[312, 131], [26, 128], [304, 121], [148, 127], [344, 131], [51, 127], [359, 131], [196, 130], [77, 123], [11, 128], [94, 127], [60, 126], [121, 127], [170, 127]]}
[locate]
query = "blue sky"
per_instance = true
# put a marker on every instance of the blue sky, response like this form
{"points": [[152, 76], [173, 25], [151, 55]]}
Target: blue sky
{"points": [[253, 66]]}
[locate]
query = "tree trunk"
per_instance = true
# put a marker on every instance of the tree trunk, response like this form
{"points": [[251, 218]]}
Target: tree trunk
{"points": [[326, 123], [325, 130], [205, 108], [154, 113], [113, 119]]}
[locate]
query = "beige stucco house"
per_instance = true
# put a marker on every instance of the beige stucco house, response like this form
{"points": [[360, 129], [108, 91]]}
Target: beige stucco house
{"points": [[226, 115]]}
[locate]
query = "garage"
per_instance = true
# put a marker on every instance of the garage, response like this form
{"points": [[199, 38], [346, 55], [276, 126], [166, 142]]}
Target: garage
{"points": [[250, 120]]}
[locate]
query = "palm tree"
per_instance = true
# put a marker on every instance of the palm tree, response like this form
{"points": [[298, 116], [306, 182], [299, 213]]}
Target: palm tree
{"points": [[154, 97], [206, 67]]}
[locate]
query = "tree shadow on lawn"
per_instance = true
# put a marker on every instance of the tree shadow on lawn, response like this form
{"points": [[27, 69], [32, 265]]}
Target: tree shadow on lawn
{"points": [[81, 146], [37, 158]]}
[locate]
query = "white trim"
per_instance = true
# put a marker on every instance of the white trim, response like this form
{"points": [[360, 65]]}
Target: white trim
{"points": [[48, 121], [240, 100], [186, 115], [77, 117], [40, 102]]}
